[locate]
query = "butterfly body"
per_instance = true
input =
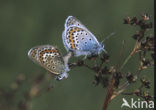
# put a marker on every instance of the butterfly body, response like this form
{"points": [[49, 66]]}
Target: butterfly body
{"points": [[78, 39], [49, 58]]}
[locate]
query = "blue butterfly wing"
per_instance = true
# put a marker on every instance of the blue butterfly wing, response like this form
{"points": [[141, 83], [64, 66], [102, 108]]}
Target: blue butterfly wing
{"points": [[72, 21], [77, 38], [80, 40], [64, 39]]}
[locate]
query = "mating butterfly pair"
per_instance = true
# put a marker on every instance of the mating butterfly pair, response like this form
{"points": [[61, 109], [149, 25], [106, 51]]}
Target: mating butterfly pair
{"points": [[77, 39]]}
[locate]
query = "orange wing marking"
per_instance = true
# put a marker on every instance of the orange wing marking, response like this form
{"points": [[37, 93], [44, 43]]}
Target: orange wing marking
{"points": [[71, 37], [46, 51]]}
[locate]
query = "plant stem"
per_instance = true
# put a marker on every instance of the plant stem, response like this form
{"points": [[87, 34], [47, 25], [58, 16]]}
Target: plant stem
{"points": [[130, 55], [110, 95], [125, 62], [110, 89], [124, 86]]}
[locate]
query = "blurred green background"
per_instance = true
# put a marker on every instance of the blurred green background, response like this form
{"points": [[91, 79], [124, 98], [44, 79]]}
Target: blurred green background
{"points": [[27, 23]]}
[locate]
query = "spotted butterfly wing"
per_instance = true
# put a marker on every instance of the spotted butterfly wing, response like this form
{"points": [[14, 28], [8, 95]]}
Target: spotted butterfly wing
{"points": [[70, 21], [48, 57], [77, 38], [73, 21]]}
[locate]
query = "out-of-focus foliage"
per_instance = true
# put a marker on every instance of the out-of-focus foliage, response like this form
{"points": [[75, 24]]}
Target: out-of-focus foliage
{"points": [[27, 23]]}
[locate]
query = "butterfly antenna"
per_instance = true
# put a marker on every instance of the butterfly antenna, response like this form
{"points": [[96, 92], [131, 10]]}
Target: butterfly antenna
{"points": [[105, 51], [113, 33]]}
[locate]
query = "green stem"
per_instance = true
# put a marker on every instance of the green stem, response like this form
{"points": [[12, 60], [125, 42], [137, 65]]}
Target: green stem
{"points": [[130, 55], [125, 62]]}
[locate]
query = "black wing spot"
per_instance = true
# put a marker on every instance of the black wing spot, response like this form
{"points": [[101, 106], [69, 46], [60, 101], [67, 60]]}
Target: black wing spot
{"points": [[48, 66], [54, 67]]}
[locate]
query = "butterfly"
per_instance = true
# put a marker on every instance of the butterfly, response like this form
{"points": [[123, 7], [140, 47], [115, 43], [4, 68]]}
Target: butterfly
{"points": [[49, 57], [79, 40]]}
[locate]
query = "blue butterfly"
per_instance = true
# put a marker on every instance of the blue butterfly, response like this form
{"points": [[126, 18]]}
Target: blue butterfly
{"points": [[79, 40]]}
